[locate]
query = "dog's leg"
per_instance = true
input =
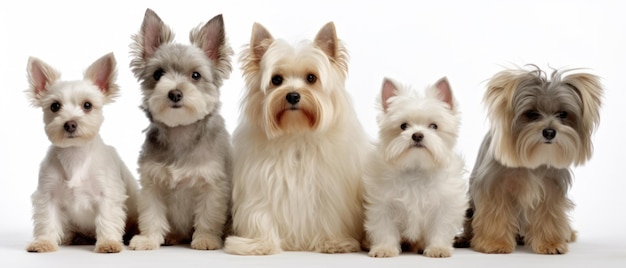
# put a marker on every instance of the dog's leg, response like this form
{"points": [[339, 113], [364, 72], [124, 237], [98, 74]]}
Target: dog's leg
{"points": [[383, 234], [110, 224], [549, 229], [153, 224], [210, 216], [494, 224], [48, 224], [439, 237]]}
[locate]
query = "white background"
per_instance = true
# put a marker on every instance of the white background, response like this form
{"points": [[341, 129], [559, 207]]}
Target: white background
{"points": [[415, 42]]}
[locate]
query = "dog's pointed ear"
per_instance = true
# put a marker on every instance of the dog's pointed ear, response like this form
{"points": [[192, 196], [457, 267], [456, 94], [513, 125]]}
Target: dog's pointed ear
{"points": [[260, 40], [389, 90], [40, 76], [211, 39], [151, 36], [153, 33], [444, 92], [326, 39], [103, 73]]}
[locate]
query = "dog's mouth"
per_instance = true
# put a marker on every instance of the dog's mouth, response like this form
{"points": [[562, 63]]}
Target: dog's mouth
{"points": [[176, 105], [310, 117], [418, 145], [547, 142]]}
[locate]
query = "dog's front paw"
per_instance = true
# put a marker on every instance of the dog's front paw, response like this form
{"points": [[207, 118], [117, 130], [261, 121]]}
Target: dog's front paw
{"points": [[206, 242], [42, 246], [108, 246], [438, 252], [341, 246], [493, 246], [550, 248], [140, 242], [383, 251]]}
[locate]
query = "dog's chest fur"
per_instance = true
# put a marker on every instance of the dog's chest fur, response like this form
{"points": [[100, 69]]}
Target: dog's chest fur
{"points": [[181, 157], [75, 182]]}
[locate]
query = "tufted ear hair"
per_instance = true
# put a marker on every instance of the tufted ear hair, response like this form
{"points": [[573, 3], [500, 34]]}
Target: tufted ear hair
{"points": [[103, 74], [326, 39], [211, 39], [40, 77], [151, 36], [498, 100], [444, 92], [590, 91], [389, 89]]}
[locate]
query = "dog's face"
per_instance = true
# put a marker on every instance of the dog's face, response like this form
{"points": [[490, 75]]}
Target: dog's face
{"points": [[293, 89], [417, 131], [180, 83], [536, 121], [72, 109]]}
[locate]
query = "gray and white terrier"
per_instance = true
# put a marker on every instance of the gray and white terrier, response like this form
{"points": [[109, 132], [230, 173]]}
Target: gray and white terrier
{"points": [[185, 163]]}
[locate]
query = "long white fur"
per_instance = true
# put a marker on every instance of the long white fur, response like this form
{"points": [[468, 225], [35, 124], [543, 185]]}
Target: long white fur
{"points": [[84, 187], [414, 195], [297, 188]]}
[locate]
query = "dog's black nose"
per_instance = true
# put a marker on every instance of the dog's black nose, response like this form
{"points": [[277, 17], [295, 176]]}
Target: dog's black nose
{"points": [[70, 126], [175, 95], [549, 133], [417, 137], [293, 97]]}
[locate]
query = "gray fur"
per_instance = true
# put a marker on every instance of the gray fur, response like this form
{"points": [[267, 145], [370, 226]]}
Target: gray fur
{"points": [[185, 165]]}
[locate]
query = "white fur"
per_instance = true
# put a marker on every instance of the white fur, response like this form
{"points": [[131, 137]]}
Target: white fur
{"points": [[84, 187], [414, 193], [297, 180]]}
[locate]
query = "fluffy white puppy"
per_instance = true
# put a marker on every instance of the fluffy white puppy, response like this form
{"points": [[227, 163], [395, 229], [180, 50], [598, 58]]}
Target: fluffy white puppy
{"points": [[85, 191], [414, 191]]}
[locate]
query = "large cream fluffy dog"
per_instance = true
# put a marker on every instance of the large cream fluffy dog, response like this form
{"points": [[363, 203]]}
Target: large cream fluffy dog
{"points": [[298, 150]]}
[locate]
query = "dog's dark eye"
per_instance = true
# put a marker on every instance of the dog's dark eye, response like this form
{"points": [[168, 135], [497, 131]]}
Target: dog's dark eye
{"points": [[403, 126], [532, 115], [311, 78], [196, 76], [433, 126], [277, 80], [157, 74], [561, 115], [55, 107], [87, 106]]}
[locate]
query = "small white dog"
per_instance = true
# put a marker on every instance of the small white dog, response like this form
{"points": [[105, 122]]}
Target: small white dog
{"points": [[85, 191], [298, 150], [414, 191], [185, 163]]}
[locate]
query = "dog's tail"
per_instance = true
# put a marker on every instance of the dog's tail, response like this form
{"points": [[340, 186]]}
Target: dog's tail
{"points": [[249, 246]]}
